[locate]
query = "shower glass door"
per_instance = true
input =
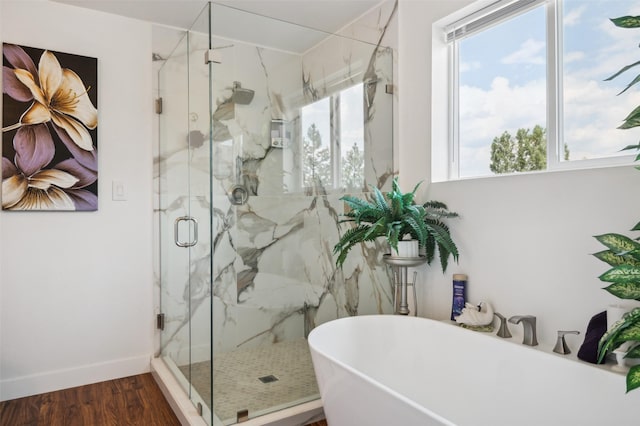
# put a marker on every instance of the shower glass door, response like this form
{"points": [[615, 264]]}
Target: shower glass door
{"points": [[184, 216]]}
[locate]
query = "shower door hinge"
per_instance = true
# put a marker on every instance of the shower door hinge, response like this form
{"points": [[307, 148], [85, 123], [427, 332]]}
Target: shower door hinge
{"points": [[242, 416], [160, 321], [212, 56], [199, 408], [158, 105]]}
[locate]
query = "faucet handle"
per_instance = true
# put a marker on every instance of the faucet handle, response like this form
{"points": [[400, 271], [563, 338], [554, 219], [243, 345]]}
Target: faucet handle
{"points": [[561, 345], [503, 329]]}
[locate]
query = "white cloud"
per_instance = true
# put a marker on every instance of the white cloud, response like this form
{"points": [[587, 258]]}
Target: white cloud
{"points": [[485, 114], [530, 52], [573, 16], [470, 66], [573, 56], [592, 113]]}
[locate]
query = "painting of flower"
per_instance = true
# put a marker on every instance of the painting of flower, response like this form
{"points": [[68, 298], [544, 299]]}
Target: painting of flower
{"points": [[49, 133]]}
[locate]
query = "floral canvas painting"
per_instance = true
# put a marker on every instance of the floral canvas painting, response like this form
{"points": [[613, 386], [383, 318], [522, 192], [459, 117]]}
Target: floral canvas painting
{"points": [[49, 130]]}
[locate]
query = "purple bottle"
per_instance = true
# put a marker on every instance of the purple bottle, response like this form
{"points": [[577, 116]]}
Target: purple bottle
{"points": [[459, 294]]}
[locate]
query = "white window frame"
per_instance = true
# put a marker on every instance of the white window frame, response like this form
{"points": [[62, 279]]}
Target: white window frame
{"points": [[469, 20]]}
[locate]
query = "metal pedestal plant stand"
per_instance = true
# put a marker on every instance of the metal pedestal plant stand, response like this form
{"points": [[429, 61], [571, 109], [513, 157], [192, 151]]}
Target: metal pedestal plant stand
{"points": [[401, 284]]}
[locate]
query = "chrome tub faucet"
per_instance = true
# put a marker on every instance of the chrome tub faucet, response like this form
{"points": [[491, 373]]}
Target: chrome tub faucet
{"points": [[529, 324]]}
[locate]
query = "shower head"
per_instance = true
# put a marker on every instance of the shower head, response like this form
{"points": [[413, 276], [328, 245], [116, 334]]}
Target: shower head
{"points": [[241, 96]]}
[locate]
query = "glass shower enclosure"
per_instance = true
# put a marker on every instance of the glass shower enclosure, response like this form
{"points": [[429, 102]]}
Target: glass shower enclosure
{"points": [[263, 127]]}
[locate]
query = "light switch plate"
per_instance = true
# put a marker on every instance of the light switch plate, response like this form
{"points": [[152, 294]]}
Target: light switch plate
{"points": [[118, 191]]}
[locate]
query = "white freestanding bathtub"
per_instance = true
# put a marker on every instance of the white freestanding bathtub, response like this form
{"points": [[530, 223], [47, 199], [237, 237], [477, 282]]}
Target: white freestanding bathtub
{"points": [[388, 370]]}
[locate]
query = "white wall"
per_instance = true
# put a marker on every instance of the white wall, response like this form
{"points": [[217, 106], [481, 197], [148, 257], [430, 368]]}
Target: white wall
{"points": [[76, 288], [526, 240]]}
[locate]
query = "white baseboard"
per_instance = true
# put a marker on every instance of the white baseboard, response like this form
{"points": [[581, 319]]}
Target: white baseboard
{"points": [[71, 377]]}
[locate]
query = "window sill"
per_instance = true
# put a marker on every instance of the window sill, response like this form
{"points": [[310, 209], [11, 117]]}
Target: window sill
{"points": [[569, 166]]}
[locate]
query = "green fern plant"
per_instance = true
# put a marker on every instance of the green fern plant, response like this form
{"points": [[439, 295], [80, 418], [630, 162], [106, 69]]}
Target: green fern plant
{"points": [[623, 255], [393, 217]]}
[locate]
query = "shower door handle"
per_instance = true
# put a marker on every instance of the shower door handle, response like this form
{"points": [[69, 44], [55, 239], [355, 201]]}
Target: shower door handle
{"points": [[176, 226]]}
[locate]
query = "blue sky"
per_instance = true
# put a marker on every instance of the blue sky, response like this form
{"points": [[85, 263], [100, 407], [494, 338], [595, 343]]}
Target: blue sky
{"points": [[503, 81], [492, 53]]}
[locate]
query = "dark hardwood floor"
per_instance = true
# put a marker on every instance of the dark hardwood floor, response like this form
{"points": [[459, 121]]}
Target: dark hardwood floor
{"points": [[135, 400]]}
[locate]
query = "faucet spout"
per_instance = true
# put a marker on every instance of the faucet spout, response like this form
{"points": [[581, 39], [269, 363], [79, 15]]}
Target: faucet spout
{"points": [[529, 324]]}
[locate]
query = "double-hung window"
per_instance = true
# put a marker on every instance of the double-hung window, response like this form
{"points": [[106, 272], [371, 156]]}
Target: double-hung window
{"points": [[527, 86]]}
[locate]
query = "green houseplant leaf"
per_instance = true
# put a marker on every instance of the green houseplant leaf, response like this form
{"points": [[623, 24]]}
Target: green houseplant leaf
{"points": [[630, 123], [632, 120], [622, 274], [619, 244], [613, 259], [446, 246], [614, 337], [633, 378], [623, 254], [631, 333], [393, 216], [625, 290], [630, 85], [622, 70], [635, 228], [627, 21], [351, 238], [634, 352]]}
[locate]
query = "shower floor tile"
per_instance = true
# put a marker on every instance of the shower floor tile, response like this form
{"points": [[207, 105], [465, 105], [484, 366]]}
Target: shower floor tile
{"points": [[256, 379]]}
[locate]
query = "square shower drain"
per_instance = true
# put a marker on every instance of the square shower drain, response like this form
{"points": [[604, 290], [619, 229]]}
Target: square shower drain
{"points": [[268, 379]]}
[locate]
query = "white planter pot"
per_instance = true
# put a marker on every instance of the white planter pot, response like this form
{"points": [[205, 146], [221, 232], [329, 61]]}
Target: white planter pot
{"points": [[406, 248]]}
